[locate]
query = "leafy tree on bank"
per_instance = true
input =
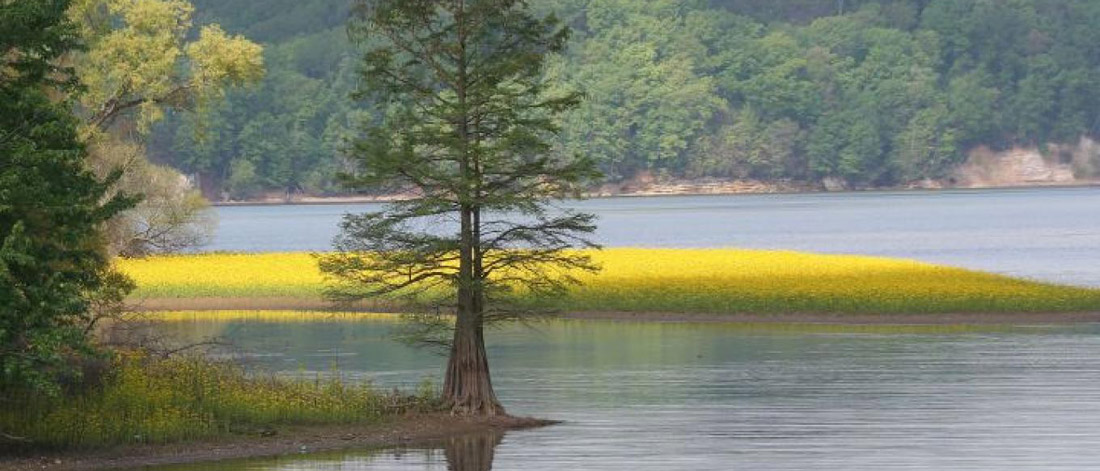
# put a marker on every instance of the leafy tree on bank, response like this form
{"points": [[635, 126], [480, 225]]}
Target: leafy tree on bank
{"points": [[138, 64], [467, 134], [52, 257]]}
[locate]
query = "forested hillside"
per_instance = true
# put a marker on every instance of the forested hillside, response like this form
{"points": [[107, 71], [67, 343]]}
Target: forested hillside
{"points": [[871, 92]]}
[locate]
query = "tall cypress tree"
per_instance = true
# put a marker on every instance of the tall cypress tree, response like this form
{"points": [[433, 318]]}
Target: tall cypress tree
{"points": [[466, 132], [51, 254]]}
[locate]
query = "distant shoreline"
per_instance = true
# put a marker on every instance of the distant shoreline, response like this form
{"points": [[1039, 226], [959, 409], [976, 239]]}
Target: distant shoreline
{"points": [[679, 189]]}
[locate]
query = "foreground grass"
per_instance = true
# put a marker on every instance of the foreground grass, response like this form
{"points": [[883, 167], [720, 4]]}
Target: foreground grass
{"points": [[670, 280], [146, 400]]}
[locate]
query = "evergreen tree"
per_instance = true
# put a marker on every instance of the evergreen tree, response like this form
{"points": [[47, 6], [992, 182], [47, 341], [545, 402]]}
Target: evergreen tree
{"points": [[468, 134], [51, 254]]}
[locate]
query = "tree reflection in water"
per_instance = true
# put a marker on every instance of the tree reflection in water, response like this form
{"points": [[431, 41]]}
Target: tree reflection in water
{"points": [[473, 452]]}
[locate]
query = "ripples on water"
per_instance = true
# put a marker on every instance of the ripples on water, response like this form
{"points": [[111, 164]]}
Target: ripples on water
{"points": [[715, 397]]}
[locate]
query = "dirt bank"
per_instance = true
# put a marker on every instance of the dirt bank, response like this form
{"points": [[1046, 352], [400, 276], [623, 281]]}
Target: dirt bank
{"points": [[303, 304], [420, 430], [851, 319]]}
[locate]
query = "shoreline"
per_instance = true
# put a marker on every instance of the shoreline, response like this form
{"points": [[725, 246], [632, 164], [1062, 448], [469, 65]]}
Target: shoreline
{"points": [[681, 189], [423, 430], [321, 306], [439, 430]]}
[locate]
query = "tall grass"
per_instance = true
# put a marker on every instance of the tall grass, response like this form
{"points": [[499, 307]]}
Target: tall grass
{"points": [[669, 280], [155, 400]]}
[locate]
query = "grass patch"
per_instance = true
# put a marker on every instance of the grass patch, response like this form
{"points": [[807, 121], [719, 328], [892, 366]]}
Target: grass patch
{"points": [[145, 400], [671, 280]]}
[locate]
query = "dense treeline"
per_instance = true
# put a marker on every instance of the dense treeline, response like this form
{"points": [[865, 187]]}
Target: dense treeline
{"points": [[871, 92]]}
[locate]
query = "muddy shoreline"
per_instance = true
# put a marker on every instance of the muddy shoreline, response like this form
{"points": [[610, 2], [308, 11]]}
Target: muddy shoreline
{"points": [[411, 431], [318, 305], [850, 319]]}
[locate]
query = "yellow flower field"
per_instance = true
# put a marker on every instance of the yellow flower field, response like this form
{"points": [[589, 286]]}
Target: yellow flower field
{"points": [[668, 280]]}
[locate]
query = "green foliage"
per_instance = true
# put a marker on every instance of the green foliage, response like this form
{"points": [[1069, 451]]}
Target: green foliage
{"points": [[35, 33], [468, 132], [138, 58], [872, 92], [140, 62], [154, 400], [51, 254], [290, 129]]}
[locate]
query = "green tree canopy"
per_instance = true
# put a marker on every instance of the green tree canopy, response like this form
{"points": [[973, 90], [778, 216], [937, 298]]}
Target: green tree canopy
{"points": [[141, 61], [872, 92], [51, 254], [468, 135]]}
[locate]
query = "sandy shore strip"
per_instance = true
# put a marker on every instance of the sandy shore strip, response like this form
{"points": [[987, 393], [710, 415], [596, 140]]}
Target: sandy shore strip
{"points": [[411, 431]]}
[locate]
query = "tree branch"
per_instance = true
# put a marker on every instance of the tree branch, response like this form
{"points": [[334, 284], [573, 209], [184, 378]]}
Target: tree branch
{"points": [[113, 107]]}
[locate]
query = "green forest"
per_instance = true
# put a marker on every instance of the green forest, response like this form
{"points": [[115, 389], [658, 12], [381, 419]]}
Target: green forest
{"points": [[873, 93]]}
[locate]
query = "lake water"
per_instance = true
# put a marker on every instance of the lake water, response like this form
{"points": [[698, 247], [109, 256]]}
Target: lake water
{"points": [[642, 396], [653, 396], [1049, 233]]}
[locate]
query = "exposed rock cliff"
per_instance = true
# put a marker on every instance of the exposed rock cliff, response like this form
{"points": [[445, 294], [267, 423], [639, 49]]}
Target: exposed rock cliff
{"points": [[1023, 166]]}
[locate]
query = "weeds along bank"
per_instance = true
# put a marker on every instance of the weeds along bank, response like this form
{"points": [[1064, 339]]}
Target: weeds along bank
{"points": [[152, 400], [662, 280]]}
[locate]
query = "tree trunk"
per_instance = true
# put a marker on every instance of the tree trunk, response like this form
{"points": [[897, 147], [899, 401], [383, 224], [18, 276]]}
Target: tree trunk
{"points": [[468, 388]]}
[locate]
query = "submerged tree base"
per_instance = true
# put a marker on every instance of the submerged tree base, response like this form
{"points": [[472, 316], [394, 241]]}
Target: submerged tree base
{"points": [[468, 386]]}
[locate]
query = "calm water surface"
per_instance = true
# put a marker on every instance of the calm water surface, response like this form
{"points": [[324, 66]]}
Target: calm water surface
{"points": [[1051, 234], [717, 397]]}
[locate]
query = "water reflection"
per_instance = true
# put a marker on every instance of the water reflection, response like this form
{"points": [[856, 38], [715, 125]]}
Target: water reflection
{"points": [[715, 397], [472, 452]]}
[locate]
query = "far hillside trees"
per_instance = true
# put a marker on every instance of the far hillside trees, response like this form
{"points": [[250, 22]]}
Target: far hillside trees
{"points": [[864, 92]]}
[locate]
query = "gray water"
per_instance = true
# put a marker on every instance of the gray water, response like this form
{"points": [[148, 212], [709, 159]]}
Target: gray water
{"points": [[653, 396], [638, 396], [1050, 234]]}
